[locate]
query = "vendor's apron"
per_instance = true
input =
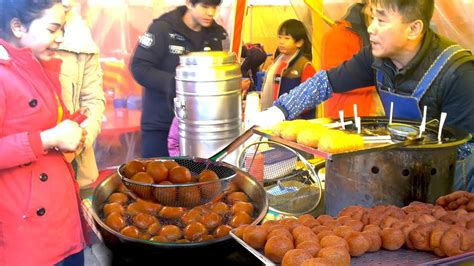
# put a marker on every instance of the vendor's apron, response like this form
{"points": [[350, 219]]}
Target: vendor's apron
{"points": [[408, 107]]}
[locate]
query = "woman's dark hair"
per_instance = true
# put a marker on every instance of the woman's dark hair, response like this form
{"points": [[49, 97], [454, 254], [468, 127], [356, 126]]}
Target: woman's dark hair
{"points": [[410, 10], [206, 2], [24, 10], [297, 31]]}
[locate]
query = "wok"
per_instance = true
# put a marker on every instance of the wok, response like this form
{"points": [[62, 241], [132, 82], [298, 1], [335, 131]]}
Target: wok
{"points": [[118, 242]]}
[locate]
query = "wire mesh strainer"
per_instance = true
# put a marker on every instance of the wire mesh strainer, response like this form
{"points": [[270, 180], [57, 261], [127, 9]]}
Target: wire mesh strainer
{"points": [[183, 195], [291, 184]]}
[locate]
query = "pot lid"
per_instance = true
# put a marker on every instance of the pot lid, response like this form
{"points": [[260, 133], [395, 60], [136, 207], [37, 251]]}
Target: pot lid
{"points": [[211, 58]]}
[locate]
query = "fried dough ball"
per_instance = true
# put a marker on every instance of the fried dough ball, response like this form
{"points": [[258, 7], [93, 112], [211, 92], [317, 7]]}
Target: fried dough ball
{"points": [[171, 212], [333, 240], [311, 223], [373, 227], [355, 212], [322, 219], [435, 239], [239, 231], [324, 233], [276, 248], [193, 215], [240, 218], [237, 196], [451, 241], [312, 247], [392, 239], [388, 222], [355, 225], [255, 236], [301, 230], [280, 232], [165, 195], [157, 170], [211, 220], [171, 232], [316, 262], [209, 191], [150, 207], [118, 197], [220, 208], [222, 230], [358, 244], [290, 222], [170, 164], [154, 228], [130, 231], [143, 177], [133, 167], [242, 206], [319, 228], [306, 236], [406, 229], [189, 196], [179, 175], [438, 212], [143, 220], [269, 224], [115, 221], [425, 219], [135, 208], [374, 240], [295, 257], [343, 231], [305, 217], [336, 255], [194, 231], [113, 207]]}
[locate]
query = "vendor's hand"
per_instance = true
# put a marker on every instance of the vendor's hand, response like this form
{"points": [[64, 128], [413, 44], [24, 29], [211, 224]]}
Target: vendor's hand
{"points": [[66, 136], [267, 118]]}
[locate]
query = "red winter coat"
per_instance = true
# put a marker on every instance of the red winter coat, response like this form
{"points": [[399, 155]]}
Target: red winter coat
{"points": [[39, 221]]}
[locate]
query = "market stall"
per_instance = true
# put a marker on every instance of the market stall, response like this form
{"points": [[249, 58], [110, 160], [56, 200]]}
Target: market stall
{"points": [[374, 179]]}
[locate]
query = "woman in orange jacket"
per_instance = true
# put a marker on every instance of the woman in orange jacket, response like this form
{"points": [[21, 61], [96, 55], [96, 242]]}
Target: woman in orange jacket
{"points": [[40, 222]]}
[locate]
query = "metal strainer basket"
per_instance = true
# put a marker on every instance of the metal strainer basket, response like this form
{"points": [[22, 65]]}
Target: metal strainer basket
{"points": [[183, 195], [291, 184]]}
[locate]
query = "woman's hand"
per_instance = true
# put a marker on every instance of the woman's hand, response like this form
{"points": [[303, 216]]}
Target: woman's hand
{"points": [[66, 136]]}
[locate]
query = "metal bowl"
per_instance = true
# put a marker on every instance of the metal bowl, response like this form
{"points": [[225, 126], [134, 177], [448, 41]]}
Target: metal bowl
{"points": [[112, 238]]}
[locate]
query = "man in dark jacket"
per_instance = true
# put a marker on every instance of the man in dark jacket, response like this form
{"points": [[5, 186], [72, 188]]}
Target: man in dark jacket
{"points": [[186, 29], [411, 66]]}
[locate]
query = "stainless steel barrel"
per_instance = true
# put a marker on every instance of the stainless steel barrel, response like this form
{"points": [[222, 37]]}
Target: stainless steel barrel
{"points": [[208, 102]]}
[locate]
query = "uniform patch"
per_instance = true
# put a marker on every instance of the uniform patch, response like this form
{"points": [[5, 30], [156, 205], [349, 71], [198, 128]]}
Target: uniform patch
{"points": [[147, 40], [175, 36], [175, 49]]}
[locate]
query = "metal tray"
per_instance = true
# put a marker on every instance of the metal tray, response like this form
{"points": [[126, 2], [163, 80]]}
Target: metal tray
{"points": [[382, 257]]}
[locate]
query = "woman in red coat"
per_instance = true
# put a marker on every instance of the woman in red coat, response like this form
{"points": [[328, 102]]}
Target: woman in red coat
{"points": [[40, 218]]}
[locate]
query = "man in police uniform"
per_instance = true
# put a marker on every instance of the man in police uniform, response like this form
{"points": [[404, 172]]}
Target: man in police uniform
{"points": [[185, 29]]}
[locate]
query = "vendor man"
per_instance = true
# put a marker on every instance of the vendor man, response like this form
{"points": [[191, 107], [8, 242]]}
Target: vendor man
{"points": [[411, 66]]}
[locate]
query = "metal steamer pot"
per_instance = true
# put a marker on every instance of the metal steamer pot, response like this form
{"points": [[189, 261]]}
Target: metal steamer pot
{"points": [[123, 244], [398, 176], [208, 103]]}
